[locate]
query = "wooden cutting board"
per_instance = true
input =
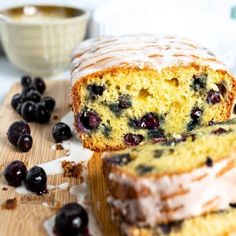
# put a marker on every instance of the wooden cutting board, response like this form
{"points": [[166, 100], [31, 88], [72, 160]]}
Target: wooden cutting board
{"points": [[28, 217]]}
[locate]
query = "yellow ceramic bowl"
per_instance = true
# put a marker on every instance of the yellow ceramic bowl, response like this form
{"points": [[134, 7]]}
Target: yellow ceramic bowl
{"points": [[39, 39]]}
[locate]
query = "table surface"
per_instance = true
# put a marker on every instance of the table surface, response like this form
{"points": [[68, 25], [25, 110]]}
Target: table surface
{"points": [[9, 75]]}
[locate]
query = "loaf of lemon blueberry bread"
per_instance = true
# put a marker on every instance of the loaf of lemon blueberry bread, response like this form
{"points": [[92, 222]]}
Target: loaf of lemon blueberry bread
{"points": [[129, 89], [190, 175]]}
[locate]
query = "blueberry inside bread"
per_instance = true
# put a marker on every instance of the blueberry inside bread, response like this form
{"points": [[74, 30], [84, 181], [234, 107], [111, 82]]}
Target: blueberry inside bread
{"points": [[126, 90], [190, 175]]}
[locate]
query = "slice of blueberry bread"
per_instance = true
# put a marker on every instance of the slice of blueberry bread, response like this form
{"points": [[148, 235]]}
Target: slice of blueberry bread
{"points": [[133, 88], [215, 224], [190, 175]]}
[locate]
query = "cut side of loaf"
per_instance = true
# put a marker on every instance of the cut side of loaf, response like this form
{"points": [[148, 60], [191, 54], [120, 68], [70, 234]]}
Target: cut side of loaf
{"points": [[188, 176], [130, 89], [216, 224]]}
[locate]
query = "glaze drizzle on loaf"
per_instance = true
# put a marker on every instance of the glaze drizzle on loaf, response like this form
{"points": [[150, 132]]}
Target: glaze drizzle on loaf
{"points": [[157, 52]]}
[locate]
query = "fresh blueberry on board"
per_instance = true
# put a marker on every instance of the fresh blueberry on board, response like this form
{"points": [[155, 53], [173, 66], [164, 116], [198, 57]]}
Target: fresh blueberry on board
{"points": [[36, 180], [16, 129], [61, 132], [39, 84], [26, 80], [28, 110], [16, 100], [25, 142], [49, 103], [15, 173], [33, 96], [43, 115], [72, 219]]}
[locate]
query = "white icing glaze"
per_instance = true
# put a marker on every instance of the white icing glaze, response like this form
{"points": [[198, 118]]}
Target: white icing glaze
{"points": [[218, 191], [155, 51], [49, 224], [64, 186], [22, 190], [76, 153]]}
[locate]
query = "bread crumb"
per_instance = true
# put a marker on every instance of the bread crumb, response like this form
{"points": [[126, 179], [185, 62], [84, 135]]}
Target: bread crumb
{"points": [[55, 117], [71, 169], [56, 205], [4, 188], [10, 204], [59, 146]]}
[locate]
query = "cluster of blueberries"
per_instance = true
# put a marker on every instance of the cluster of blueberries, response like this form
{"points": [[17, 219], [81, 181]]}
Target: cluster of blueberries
{"points": [[34, 179], [32, 107], [29, 103]]}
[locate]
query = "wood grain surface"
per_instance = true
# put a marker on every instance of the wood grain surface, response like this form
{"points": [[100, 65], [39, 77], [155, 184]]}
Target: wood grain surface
{"points": [[30, 213]]}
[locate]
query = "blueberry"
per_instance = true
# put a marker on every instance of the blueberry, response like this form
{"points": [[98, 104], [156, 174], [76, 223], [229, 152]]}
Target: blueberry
{"points": [[209, 162], [156, 134], [143, 169], [18, 109], [199, 82], [119, 159], [33, 96], [219, 131], [114, 107], [88, 120], [28, 89], [196, 113], [25, 142], [72, 219], [16, 130], [213, 97], [106, 130], [124, 101], [158, 153], [133, 139], [149, 121], [134, 123], [42, 114], [39, 84], [192, 125], [16, 100], [211, 122], [49, 103], [36, 180], [26, 80], [167, 228], [95, 90], [28, 110], [14, 173], [61, 132]]}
